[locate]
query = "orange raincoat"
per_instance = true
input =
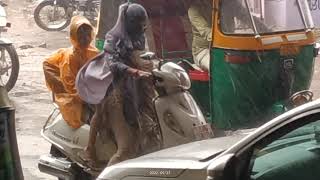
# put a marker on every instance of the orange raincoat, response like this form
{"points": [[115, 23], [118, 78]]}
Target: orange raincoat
{"points": [[60, 71]]}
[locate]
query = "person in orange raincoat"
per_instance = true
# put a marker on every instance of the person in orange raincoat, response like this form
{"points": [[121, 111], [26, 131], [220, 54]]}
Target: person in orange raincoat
{"points": [[61, 68]]}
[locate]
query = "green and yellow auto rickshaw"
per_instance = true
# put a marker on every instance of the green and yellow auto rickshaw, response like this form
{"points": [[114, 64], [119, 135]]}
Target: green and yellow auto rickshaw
{"points": [[262, 56]]}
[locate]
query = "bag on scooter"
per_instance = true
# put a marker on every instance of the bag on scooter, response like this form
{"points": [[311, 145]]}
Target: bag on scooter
{"points": [[94, 79]]}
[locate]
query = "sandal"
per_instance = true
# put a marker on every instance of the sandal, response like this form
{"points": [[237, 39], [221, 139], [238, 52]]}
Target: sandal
{"points": [[84, 156], [89, 162], [93, 165]]}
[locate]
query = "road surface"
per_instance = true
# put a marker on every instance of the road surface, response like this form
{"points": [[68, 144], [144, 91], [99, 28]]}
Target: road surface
{"points": [[30, 96]]}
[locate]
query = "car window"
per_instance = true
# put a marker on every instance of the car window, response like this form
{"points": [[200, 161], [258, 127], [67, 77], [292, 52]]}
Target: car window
{"points": [[293, 156]]}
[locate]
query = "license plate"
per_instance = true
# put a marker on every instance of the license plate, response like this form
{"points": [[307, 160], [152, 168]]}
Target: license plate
{"points": [[203, 132], [288, 63]]}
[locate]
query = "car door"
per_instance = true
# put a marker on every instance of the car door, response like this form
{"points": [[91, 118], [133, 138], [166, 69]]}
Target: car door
{"points": [[291, 152]]}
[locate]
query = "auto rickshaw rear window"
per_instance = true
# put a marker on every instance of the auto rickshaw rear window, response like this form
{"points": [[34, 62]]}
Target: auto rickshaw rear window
{"points": [[264, 16]]}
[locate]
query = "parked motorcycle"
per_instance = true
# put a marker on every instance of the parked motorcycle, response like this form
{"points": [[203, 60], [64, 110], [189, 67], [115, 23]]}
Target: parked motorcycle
{"points": [[179, 118], [55, 15], [9, 60]]}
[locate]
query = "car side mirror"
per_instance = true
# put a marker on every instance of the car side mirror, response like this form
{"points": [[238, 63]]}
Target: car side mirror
{"points": [[316, 49], [147, 55], [222, 168]]}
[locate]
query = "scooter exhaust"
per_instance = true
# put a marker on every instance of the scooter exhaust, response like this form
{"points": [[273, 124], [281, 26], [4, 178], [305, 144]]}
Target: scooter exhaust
{"points": [[58, 167]]}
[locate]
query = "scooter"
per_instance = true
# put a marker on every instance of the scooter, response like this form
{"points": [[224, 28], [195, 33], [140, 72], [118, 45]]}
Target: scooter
{"points": [[9, 60], [55, 15], [178, 116]]}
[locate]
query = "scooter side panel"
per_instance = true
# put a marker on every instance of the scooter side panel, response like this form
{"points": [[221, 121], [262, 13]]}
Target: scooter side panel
{"points": [[71, 141], [177, 115]]}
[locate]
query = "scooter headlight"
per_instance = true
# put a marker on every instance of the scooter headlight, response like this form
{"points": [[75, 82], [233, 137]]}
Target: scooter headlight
{"points": [[176, 76]]}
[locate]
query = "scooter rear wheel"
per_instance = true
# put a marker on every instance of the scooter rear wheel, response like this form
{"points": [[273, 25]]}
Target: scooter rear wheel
{"points": [[55, 152], [78, 171], [46, 25]]}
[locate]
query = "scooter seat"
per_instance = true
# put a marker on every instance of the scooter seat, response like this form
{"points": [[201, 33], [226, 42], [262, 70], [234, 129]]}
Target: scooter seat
{"points": [[196, 75]]}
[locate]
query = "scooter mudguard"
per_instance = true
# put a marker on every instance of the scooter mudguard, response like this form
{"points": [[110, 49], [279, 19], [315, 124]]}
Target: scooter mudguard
{"points": [[64, 3]]}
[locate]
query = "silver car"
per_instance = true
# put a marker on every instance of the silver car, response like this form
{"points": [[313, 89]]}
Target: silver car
{"points": [[288, 147]]}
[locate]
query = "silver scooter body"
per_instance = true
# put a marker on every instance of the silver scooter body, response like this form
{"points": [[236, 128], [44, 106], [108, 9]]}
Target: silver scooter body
{"points": [[70, 142], [178, 115], [177, 111]]}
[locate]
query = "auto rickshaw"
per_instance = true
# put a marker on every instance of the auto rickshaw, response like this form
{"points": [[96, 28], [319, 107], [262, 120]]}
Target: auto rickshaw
{"points": [[261, 57]]}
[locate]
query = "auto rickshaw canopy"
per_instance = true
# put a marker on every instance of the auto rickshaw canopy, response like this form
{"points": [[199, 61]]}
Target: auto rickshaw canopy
{"points": [[170, 34]]}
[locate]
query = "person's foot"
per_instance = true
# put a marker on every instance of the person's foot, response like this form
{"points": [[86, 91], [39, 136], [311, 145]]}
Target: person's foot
{"points": [[89, 159], [86, 155], [95, 165]]}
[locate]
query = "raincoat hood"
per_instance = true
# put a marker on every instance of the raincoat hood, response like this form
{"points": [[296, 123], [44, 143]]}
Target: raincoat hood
{"points": [[76, 22], [120, 30]]}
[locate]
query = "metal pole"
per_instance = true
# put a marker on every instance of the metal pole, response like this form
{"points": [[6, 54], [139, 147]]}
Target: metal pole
{"points": [[251, 18], [302, 15]]}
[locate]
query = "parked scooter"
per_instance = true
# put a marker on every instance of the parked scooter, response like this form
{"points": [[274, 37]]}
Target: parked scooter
{"points": [[9, 60], [55, 15], [179, 118]]}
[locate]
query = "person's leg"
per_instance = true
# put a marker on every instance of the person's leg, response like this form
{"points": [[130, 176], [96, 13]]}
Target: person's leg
{"points": [[123, 134], [91, 149], [148, 133], [203, 60]]}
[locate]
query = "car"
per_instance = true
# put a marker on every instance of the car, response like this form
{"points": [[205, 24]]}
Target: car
{"points": [[287, 147], [10, 165]]}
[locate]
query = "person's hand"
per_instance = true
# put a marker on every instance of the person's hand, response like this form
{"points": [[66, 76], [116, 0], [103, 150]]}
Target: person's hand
{"points": [[143, 74], [138, 73]]}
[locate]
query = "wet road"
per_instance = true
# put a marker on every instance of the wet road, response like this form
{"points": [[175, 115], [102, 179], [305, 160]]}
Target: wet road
{"points": [[30, 96]]}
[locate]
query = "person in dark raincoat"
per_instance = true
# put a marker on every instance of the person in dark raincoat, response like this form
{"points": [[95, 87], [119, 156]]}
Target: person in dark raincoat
{"points": [[118, 111]]}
